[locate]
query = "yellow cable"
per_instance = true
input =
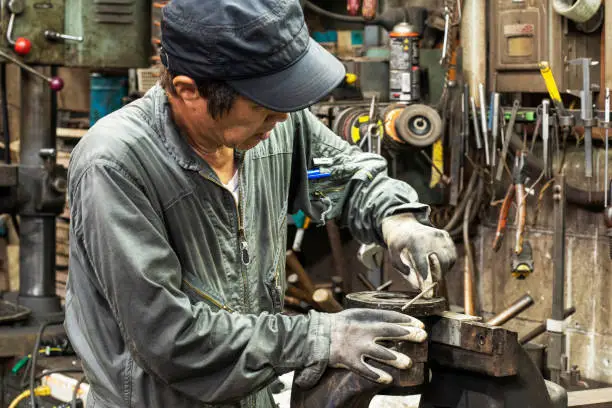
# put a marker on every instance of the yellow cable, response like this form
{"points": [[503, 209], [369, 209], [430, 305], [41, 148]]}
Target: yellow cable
{"points": [[41, 391]]}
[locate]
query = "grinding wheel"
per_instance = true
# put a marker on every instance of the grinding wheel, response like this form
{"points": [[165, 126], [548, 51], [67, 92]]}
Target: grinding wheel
{"points": [[419, 125], [395, 301]]}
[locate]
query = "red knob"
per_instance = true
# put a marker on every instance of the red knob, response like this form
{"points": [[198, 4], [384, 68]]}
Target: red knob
{"points": [[22, 46], [56, 84]]}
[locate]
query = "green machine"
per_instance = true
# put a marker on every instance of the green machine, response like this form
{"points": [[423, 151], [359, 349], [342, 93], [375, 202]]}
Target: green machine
{"points": [[38, 36], [78, 33]]}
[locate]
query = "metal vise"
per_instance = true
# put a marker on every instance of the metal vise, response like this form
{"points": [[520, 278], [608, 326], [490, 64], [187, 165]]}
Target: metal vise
{"points": [[466, 363]]}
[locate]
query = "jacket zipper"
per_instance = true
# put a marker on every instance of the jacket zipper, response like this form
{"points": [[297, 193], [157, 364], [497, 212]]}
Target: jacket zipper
{"points": [[323, 193], [209, 298], [243, 246]]}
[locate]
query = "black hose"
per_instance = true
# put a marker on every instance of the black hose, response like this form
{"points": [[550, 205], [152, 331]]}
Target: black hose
{"points": [[458, 231], [334, 16], [5, 115], [461, 207], [387, 20]]}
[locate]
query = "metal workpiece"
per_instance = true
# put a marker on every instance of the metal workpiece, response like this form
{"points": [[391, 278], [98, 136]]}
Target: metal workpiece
{"points": [[395, 301], [516, 308]]}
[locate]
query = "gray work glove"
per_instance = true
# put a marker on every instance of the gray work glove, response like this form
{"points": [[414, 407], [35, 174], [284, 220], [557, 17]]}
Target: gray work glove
{"points": [[421, 253], [355, 334]]}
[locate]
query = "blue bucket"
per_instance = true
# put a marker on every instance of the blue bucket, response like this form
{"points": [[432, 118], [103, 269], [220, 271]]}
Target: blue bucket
{"points": [[106, 93]]}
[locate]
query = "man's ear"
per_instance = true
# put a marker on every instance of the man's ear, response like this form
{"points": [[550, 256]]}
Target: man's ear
{"points": [[185, 87]]}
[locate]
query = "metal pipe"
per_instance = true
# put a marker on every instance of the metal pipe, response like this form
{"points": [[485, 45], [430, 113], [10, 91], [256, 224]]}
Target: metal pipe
{"points": [[538, 330], [512, 311], [473, 41], [37, 231], [608, 46], [556, 347], [468, 273]]}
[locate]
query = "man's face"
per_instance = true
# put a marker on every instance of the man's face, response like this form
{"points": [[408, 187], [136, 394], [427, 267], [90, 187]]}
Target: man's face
{"points": [[247, 124], [243, 127]]}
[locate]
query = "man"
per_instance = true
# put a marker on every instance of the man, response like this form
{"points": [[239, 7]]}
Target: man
{"points": [[179, 206]]}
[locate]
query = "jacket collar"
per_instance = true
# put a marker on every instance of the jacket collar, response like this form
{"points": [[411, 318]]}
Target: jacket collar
{"points": [[172, 139]]}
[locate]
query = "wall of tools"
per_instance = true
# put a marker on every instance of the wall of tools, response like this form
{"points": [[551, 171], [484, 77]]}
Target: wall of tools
{"points": [[498, 114]]}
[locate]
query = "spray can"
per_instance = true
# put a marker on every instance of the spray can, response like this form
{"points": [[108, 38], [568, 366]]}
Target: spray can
{"points": [[404, 67]]}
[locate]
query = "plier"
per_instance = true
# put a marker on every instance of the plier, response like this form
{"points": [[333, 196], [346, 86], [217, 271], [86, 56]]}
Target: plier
{"points": [[517, 193]]}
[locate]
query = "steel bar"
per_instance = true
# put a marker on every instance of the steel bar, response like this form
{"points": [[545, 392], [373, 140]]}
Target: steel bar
{"points": [[495, 127], [476, 125], [25, 67], [607, 121], [420, 295], [483, 122], [545, 135], [556, 348], [512, 311], [540, 329]]}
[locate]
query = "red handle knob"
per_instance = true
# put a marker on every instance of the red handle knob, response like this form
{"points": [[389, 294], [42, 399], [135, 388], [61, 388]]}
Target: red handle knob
{"points": [[22, 46], [56, 84]]}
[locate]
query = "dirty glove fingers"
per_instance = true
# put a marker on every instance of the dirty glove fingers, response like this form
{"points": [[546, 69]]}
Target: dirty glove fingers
{"points": [[404, 263], [396, 320], [372, 373], [378, 316], [402, 332], [389, 357]]}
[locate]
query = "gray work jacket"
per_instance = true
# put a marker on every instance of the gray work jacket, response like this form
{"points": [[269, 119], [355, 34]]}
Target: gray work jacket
{"points": [[174, 291]]}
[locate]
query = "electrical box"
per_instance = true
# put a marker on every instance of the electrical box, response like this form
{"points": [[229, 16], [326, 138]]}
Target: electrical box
{"points": [[520, 34], [116, 33], [525, 32]]}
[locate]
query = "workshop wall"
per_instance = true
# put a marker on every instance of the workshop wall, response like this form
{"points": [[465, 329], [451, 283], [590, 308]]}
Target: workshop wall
{"points": [[588, 275]]}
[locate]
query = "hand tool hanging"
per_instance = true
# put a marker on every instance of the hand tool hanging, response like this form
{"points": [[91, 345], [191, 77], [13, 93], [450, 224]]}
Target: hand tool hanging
{"points": [[522, 261], [586, 112], [606, 125], [483, 121], [352, 7], [508, 135], [494, 126], [368, 9], [545, 136]]}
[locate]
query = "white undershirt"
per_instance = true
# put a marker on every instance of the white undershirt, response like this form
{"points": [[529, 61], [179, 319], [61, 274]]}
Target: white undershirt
{"points": [[233, 185]]}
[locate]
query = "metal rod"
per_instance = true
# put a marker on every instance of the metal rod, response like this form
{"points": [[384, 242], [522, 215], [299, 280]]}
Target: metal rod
{"points": [[538, 330], [607, 121], [384, 286], [556, 348], [495, 126], [420, 295], [366, 282], [483, 122], [476, 125], [545, 135], [24, 66], [512, 311], [443, 178]]}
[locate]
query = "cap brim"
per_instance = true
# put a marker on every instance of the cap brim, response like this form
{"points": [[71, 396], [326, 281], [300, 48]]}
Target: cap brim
{"points": [[298, 86]]}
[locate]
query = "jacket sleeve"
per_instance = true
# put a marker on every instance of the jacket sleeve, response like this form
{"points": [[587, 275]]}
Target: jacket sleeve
{"points": [[213, 356], [359, 193]]}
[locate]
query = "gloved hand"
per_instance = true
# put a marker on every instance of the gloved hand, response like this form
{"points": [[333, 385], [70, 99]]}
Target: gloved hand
{"points": [[420, 252], [354, 337]]}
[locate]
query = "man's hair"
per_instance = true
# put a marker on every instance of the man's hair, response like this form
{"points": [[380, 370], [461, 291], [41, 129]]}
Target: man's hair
{"points": [[220, 96]]}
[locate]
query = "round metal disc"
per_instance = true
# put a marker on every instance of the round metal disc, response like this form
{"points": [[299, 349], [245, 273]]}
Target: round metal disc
{"points": [[419, 125], [395, 301]]}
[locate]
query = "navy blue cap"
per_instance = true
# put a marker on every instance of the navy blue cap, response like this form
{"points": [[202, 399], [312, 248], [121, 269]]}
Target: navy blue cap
{"points": [[260, 47]]}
